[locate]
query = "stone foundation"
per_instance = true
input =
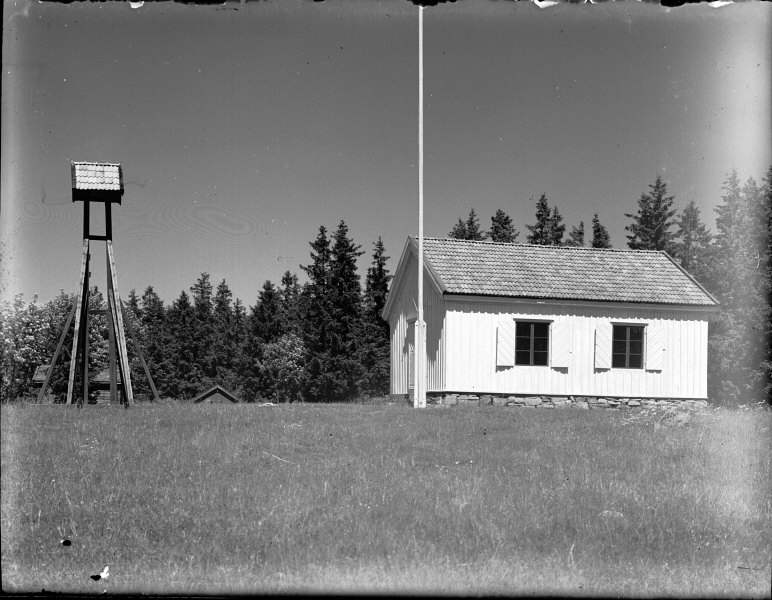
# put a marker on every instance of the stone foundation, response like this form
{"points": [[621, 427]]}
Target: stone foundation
{"points": [[559, 402]]}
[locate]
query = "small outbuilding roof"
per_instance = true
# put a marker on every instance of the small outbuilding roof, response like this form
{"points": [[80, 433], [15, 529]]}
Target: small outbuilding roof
{"points": [[558, 272], [215, 394]]}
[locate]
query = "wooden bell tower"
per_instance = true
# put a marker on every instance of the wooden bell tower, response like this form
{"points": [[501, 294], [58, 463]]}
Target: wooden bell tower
{"points": [[98, 183]]}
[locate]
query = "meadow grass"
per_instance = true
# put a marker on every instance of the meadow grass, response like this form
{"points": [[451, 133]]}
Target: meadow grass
{"points": [[369, 498]]}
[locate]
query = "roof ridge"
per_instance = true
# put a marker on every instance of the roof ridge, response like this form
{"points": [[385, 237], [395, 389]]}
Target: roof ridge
{"points": [[551, 247]]}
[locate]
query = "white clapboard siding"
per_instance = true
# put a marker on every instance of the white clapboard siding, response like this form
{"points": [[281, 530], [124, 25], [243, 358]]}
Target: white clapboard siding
{"points": [[561, 340], [471, 360], [402, 361], [603, 337], [505, 344], [655, 347]]}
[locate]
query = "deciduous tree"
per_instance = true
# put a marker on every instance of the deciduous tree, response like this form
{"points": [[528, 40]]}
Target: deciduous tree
{"points": [[283, 365]]}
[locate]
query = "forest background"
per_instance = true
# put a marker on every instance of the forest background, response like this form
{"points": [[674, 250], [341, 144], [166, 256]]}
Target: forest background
{"points": [[324, 340]]}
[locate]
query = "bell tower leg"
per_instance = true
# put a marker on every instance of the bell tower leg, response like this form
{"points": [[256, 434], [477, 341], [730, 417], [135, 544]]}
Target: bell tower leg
{"points": [[80, 303], [113, 301], [112, 366]]}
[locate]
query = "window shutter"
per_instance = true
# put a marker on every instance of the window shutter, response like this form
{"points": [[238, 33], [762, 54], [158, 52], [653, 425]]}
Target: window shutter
{"points": [[505, 344], [561, 338], [603, 334], [655, 348]]}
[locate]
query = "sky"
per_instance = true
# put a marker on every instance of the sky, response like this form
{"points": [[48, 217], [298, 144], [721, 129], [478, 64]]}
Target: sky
{"points": [[242, 128]]}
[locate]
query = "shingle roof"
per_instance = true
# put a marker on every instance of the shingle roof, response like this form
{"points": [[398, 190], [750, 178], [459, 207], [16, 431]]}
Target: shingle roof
{"points": [[97, 176], [561, 272], [216, 390]]}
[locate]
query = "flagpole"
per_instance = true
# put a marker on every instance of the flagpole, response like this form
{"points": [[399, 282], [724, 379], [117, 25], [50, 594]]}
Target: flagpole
{"points": [[419, 400]]}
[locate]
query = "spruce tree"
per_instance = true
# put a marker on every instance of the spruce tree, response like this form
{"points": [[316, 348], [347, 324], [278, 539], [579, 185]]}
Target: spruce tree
{"points": [[181, 362], [467, 230], [238, 324], [576, 237], [132, 303], [346, 312], [502, 229], [541, 231], [692, 246], [152, 308], [318, 271], [262, 327], [740, 370], [730, 237], [459, 231], [224, 346], [239, 333], [650, 229], [556, 228], [133, 322], [763, 217], [331, 304], [600, 236], [728, 213], [202, 295], [222, 301], [289, 313], [156, 339], [266, 314], [375, 347], [473, 227], [316, 307], [204, 327]]}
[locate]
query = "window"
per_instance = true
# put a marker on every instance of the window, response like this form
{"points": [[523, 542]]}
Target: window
{"points": [[627, 347], [532, 343]]}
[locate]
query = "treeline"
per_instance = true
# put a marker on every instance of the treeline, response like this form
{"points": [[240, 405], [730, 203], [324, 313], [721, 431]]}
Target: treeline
{"points": [[548, 229], [733, 264], [321, 341], [325, 341]]}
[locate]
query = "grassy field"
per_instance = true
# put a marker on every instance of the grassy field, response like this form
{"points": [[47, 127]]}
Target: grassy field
{"points": [[235, 499]]}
